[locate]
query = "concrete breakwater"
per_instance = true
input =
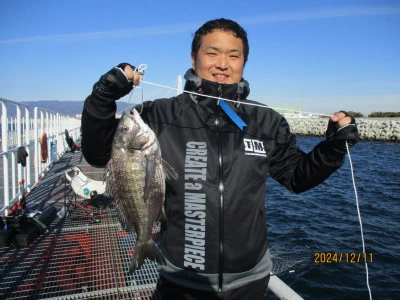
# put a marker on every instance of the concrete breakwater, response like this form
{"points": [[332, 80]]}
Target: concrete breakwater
{"points": [[379, 129]]}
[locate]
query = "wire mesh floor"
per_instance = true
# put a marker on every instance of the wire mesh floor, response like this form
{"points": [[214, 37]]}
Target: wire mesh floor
{"points": [[85, 255]]}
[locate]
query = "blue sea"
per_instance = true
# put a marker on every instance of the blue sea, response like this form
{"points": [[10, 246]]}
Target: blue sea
{"points": [[326, 220]]}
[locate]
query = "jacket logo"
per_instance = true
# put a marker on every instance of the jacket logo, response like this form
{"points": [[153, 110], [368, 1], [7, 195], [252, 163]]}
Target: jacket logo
{"points": [[254, 147]]}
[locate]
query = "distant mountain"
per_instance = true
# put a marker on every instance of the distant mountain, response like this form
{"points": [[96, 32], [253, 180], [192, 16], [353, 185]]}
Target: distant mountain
{"points": [[70, 108]]}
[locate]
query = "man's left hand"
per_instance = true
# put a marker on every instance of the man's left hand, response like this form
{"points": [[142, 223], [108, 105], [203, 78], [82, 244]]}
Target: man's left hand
{"points": [[341, 119], [342, 128]]}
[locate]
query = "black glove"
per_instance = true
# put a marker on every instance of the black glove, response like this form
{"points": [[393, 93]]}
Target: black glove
{"points": [[123, 65], [114, 84], [338, 137]]}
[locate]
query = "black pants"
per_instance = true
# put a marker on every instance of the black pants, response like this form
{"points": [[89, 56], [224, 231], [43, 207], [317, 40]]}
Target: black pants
{"points": [[255, 290]]}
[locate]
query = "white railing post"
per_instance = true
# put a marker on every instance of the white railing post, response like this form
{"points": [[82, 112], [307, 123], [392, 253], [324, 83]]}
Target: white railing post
{"points": [[22, 131], [27, 142], [36, 142], [4, 148]]}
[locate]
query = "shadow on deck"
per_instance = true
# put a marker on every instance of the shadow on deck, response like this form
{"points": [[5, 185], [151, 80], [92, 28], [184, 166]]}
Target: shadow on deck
{"points": [[85, 255]]}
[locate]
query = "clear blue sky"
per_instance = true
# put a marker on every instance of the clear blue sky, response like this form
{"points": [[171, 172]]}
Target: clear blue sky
{"points": [[323, 55]]}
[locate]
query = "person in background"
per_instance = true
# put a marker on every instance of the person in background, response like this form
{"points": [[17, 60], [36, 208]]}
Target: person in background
{"points": [[70, 142], [214, 238]]}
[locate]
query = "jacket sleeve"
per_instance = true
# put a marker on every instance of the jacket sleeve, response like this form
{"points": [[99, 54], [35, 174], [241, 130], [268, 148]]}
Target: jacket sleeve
{"points": [[299, 171], [98, 116]]}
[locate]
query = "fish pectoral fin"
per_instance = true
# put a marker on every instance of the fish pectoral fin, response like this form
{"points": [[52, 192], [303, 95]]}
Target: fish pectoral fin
{"points": [[169, 171], [161, 215]]}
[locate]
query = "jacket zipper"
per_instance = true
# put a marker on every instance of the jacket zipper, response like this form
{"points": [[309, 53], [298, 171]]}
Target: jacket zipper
{"points": [[221, 208]]}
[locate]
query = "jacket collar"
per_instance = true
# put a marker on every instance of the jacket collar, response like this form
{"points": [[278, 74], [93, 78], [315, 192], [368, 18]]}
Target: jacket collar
{"points": [[236, 91]]}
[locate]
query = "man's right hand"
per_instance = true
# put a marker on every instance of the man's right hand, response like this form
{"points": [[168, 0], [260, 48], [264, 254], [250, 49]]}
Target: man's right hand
{"points": [[132, 75], [117, 83]]}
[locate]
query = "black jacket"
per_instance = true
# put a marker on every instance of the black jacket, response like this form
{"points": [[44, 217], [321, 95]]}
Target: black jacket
{"points": [[216, 234]]}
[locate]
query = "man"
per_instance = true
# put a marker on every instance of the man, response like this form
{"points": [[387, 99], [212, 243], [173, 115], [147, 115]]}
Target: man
{"points": [[215, 238]]}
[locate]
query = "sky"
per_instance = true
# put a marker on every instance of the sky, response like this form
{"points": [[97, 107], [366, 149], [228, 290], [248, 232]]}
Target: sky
{"points": [[322, 55]]}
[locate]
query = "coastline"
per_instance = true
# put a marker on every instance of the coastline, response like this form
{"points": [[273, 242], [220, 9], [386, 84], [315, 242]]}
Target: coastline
{"points": [[370, 129]]}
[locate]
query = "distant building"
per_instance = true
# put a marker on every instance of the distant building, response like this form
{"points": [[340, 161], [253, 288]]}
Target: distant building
{"points": [[293, 112]]}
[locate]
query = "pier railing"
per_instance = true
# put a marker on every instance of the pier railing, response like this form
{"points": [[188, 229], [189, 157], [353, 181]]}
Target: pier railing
{"points": [[42, 138]]}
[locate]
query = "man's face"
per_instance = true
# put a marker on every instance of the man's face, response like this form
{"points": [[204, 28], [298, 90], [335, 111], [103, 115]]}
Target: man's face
{"points": [[220, 58]]}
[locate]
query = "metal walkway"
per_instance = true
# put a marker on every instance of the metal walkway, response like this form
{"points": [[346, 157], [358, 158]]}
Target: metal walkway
{"points": [[85, 255]]}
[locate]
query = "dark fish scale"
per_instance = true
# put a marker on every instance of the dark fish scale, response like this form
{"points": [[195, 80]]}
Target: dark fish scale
{"points": [[137, 181]]}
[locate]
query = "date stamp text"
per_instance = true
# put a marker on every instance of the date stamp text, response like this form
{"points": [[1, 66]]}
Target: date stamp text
{"points": [[345, 257]]}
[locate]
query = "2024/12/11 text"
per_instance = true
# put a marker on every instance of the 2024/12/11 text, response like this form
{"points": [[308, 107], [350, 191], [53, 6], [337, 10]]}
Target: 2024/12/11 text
{"points": [[338, 257]]}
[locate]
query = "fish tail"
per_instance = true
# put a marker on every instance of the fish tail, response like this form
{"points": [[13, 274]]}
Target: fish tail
{"points": [[143, 250]]}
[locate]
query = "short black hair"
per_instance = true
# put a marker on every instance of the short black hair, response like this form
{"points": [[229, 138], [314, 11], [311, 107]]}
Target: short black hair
{"points": [[220, 24]]}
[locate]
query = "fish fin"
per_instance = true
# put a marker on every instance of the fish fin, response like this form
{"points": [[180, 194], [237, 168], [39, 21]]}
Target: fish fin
{"points": [[145, 250], [149, 182], [161, 214], [125, 223], [169, 171], [108, 177]]}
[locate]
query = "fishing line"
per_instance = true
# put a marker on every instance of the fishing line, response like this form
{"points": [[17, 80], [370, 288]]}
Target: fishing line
{"points": [[140, 70], [129, 102], [359, 217], [234, 101]]}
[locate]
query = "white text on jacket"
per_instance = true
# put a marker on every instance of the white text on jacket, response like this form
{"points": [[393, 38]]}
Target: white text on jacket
{"points": [[195, 205]]}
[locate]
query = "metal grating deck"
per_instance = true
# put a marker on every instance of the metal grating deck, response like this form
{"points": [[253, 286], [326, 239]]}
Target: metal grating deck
{"points": [[76, 258]]}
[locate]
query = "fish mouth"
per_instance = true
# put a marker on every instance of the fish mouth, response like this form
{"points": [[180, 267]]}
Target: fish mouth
{"points": [[133, 114]]}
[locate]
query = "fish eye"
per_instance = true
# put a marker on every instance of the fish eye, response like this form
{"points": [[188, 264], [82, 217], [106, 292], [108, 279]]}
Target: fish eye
{"points": [[124, 129]]}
